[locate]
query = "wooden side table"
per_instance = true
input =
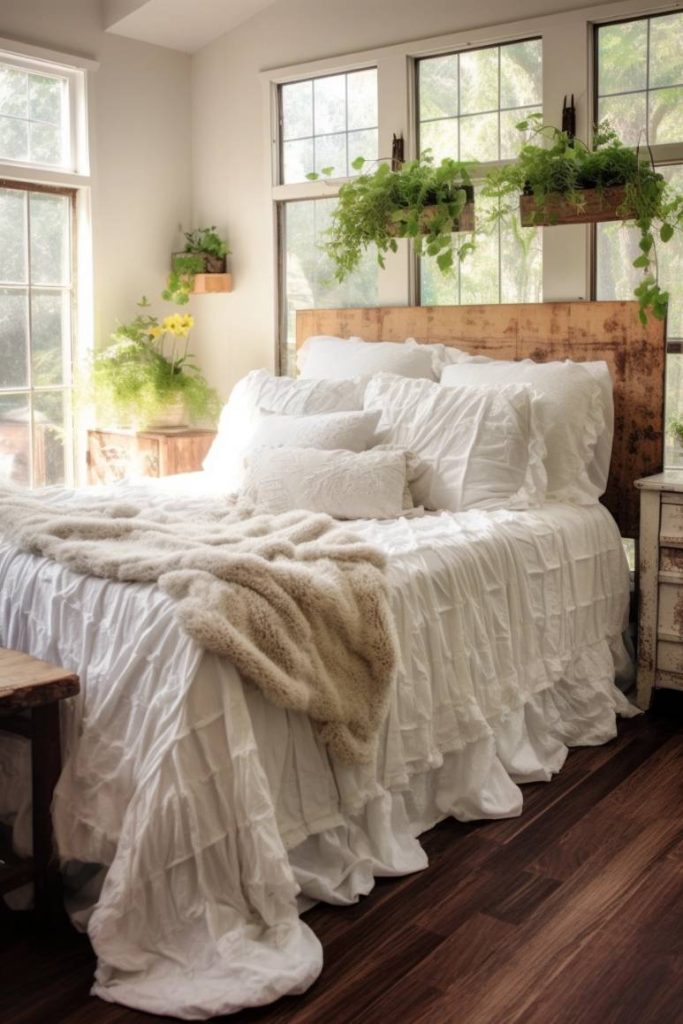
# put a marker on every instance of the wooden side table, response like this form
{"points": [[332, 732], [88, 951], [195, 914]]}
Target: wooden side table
{"points": [[30, 692], [118, 454], [660, 597]]}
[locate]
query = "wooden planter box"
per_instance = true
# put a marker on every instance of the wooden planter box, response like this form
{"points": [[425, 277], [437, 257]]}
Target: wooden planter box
{"points": [[597, 206], [466, 220]]}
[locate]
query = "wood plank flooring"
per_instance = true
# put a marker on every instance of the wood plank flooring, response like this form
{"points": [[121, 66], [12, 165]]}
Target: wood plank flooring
{"points": [[571, 914]]}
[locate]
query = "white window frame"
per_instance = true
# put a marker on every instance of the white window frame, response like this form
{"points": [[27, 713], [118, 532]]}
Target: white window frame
{"points": [[568, 59], [77, 175]]}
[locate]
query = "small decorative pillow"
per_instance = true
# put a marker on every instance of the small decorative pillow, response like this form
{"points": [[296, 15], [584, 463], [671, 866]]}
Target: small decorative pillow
{"points": [[351, 431], [571, 413], [261, 390], [338, 359], [346, 485], [477, 447]]}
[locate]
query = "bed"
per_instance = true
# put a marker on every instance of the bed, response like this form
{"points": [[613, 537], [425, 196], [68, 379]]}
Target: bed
{"points": [[198, 819]]}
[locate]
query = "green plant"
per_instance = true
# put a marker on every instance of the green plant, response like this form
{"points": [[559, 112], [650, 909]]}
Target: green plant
{"points": [[133, 380], [206, 240], [180, 280], [205, 251], [552, 164], [381, 207]]}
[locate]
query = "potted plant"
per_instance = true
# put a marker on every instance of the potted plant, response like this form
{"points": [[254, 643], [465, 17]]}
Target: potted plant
{"points": [[422, 201], [146, 377], [205, 252], [556, 179]]}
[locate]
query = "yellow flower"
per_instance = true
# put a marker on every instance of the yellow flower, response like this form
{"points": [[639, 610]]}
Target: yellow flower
{"points": [[178, 325], [155, 331]]}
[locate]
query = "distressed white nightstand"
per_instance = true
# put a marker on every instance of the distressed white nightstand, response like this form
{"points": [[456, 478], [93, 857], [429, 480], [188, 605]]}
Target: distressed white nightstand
{"points": [[660, 564]]}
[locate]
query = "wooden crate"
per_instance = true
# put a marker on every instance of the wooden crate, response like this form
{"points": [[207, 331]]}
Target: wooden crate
{"points": [[597, 206]]}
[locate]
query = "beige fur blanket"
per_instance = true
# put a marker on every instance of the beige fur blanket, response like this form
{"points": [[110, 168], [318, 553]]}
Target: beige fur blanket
{"points": [[299, 605]]}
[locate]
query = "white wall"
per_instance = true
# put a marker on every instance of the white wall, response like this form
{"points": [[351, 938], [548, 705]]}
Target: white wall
{"points": [[140, 146], [230, 144]]}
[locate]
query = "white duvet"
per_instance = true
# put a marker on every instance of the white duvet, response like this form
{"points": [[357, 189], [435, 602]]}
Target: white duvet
{"points": [[217, 815]]}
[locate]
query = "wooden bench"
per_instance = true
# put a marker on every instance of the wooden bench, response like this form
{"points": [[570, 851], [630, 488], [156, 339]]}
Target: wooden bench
{"points": [[30, 692]]}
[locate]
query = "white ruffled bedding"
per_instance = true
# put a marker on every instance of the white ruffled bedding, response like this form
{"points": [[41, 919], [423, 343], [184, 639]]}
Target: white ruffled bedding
{"points": [[215, 811]]}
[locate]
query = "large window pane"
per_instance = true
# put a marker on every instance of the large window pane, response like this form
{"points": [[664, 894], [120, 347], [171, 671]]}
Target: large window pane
{"points": [[640, 78], [35, 336], [469, 106], [33, 117], [505, 267], [470, 102], [325, 121], [13, 264], [308, 277]]}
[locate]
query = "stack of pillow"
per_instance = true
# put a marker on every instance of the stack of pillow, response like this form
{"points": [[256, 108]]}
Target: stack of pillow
{"points": [[369, 429]]}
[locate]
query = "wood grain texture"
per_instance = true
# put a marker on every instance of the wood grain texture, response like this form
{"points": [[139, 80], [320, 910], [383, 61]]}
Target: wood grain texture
{"points": [[116, 454], [582, 331], [596, 207], [26, 681], [570, 913]]}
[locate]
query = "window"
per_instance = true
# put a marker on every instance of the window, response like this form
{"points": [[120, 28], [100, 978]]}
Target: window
{"points": [[470, 102], [44, 158], [36, 299], [468, 106], [308, 278], [324, 122], [328, 122], [640, 79], [42, 119], [639, 75]]}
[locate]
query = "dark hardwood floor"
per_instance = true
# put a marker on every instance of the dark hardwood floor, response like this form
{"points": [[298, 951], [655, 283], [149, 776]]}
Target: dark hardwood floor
{"points": [[571, 914]]}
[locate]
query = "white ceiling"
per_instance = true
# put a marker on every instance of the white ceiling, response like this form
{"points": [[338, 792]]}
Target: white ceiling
{"points": [[178, 24]]}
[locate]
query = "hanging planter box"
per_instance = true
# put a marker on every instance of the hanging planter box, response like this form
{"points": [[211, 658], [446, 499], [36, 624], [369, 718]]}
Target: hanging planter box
{"points": [[597, 205], [466, 220]]}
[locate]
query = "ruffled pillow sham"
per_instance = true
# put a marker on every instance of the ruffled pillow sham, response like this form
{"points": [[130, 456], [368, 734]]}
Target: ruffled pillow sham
{"points": [[575, 412], [476, 447], [330, 358], [258, 391], [346, 485]]}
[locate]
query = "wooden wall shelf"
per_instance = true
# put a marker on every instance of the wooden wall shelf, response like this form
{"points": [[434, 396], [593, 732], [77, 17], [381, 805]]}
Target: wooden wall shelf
{"points": [[205, 284]]}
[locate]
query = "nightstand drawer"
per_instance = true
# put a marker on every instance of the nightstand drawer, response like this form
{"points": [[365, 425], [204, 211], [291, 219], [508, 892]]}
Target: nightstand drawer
{"points": [[670, 613], [671, 524], [670, 657], [671, 564]]}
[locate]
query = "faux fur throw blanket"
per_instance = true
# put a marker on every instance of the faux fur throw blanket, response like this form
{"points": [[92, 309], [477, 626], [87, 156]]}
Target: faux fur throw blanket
{"points": [[299, 605]]}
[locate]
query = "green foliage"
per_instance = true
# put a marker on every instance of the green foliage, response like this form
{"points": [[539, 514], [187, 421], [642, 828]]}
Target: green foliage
{"points": [[379, 208], [552, 165], [133, 380], [180, 281], [206, 240]]}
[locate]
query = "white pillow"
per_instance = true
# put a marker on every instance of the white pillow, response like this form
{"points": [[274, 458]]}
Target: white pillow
{"points": [[338, 359], [570, 412], [477, 447], [351, 431], [346, 485], [261, 390]]}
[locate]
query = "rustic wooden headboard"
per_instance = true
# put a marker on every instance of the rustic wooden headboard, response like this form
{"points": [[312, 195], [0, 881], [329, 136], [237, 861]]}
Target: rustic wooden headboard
{"points": [[581, 331]]}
